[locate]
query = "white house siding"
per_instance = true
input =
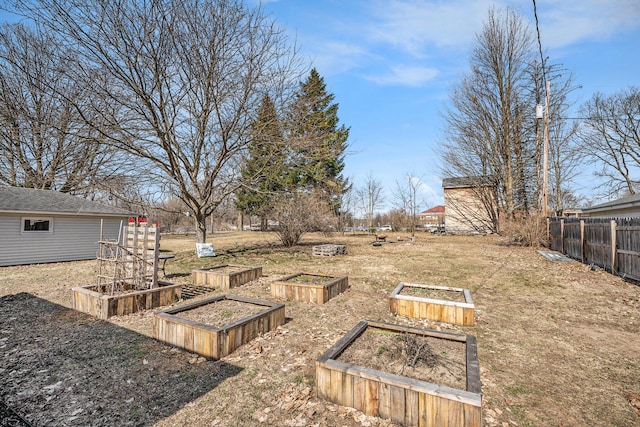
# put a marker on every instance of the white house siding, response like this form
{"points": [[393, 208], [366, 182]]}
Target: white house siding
{"points": [[73, 238]]}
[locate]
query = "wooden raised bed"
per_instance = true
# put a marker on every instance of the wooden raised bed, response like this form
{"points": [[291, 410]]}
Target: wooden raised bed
{"points": [[215, 341], [225, 276], [93, 300], [404, 400], [436, 309], [318, 289]]}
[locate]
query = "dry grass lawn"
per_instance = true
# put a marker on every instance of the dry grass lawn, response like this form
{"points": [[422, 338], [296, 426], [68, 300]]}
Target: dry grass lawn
{"points": [[558, 342]]}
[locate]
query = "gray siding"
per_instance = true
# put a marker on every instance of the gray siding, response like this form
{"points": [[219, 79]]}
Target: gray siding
{"points": [[73, 238]]}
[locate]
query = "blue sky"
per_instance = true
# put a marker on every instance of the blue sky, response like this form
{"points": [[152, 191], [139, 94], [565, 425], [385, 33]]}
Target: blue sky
{"points": [[391, 65]]}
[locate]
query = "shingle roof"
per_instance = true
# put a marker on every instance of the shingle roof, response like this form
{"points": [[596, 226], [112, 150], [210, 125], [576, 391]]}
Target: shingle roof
{"points": [[624, 202], [467, 181], [29, 200], [435, 209]]}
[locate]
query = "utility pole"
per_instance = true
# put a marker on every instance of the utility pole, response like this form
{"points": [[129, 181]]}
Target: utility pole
{"points": [[545, 184]]}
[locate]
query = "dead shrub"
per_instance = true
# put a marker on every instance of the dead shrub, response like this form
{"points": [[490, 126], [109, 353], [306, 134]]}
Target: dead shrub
{"points": [[299, 213], [530, 230]]}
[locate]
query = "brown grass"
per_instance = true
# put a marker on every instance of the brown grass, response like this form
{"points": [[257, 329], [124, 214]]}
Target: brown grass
{"points": [[558, 343]]}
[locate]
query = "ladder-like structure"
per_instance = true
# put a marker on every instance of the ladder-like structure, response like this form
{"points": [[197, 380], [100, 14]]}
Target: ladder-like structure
{"points": [[131, 262]]}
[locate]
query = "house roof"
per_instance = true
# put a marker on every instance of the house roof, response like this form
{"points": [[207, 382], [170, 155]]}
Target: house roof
{"points": [[30, 201], [628, 202], [435, 209], [467, 181]]}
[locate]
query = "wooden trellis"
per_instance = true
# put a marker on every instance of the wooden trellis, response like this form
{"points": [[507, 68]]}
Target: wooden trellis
{"points": [[131, 262]]}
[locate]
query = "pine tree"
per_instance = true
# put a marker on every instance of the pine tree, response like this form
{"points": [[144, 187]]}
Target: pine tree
{"points": [[318, 142], [264, 166]]}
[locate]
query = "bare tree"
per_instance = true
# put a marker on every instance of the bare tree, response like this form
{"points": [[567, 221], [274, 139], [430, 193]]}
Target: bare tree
{"points": [[611, 137], [186, 79], [406, 199], [44, 141], [486, 125], [370, 198], [492, 133]]}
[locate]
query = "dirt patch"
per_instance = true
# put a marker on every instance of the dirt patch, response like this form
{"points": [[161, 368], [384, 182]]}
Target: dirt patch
{"points": [[220, 313], [438, 294], [310, 279], [425, 358]]}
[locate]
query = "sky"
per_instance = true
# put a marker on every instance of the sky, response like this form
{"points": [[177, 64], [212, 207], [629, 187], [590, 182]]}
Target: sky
{"points": [[391, 65]]}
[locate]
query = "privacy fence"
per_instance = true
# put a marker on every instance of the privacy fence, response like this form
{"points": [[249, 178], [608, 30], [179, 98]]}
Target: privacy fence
{"points": [[610, 243]]}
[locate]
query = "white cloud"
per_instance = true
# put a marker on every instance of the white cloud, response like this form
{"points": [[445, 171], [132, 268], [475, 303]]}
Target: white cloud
{"points": [[414, 25], [334, 57], [403, 75], [563, 23]]}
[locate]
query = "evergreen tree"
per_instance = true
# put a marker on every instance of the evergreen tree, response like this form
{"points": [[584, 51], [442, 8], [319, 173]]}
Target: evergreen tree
{"points": [[318, 143], [263, 168]]}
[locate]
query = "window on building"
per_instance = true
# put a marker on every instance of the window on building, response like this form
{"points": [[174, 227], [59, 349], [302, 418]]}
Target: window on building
{"points": [[37, 225]]}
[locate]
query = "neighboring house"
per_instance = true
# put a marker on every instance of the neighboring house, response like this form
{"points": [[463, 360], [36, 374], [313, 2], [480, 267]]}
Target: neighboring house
{"points": [[625, 207], [40, 226], [470, 205], [433, 217]]}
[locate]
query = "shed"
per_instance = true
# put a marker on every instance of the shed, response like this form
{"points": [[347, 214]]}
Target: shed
{"points": [[470, 205], [624, 207], [40, 226]]}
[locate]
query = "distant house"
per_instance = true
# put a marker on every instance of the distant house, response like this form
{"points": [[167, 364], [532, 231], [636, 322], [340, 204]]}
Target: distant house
{"points": [[625, 207], [433, 217], [41, 226], [470, 205]]}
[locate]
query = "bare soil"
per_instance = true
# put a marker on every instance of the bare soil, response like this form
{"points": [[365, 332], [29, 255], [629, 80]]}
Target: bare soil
{"points": [[310, 279], [431, 359], [557, 342], [439, 294], [220, 313]]}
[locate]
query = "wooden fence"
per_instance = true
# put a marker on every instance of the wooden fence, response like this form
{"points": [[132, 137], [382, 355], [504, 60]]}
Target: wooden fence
{"points": [[610, 243]]}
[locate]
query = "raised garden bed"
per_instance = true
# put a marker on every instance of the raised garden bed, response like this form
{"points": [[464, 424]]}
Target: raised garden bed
{"points": [[308, 287], [214, 327], [93, 299], [329, 250], [358, 382], [437, 303], [225, 276]]}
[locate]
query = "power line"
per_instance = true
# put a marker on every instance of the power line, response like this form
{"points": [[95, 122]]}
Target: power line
{"points": [[535, 14]]}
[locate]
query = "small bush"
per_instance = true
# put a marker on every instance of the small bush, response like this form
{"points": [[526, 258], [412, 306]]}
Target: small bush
{"points": [[526, 231]]}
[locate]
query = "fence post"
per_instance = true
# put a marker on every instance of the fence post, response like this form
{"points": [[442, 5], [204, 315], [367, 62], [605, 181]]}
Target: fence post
{"points": [[562, 249], [582, 242], [614, 255]]}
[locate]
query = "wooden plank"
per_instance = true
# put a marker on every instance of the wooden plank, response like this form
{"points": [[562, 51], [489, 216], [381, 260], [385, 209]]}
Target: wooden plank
{"points": [[472, 415], [371, 397], [455, 414], [384, 400], [336, 394], [323, 381], [442, 412], [474, 384], [398, 412], [359, 392], [412, 408]]}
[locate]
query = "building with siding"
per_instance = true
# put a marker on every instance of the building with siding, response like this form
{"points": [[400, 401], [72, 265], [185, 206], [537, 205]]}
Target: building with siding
{"points": [[628, 207], [41, 226], [470, 205]]}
